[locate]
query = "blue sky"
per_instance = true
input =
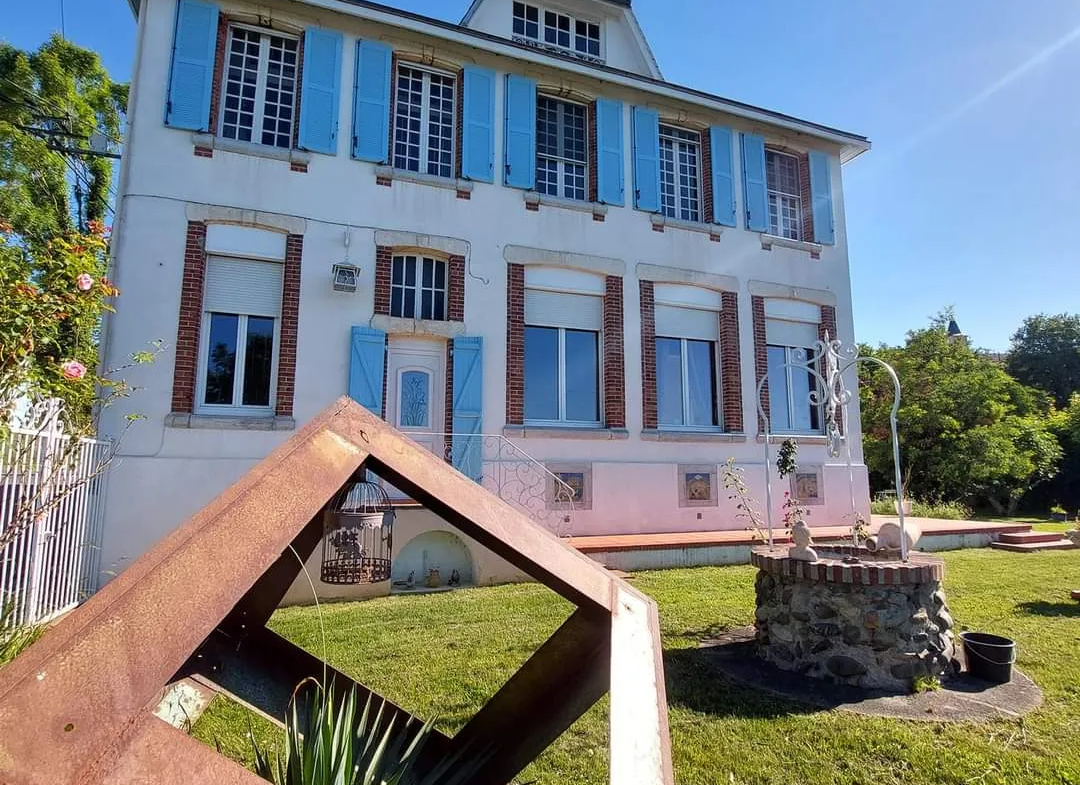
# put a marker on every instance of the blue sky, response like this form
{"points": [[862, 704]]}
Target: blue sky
{"points": [[971, 194]]}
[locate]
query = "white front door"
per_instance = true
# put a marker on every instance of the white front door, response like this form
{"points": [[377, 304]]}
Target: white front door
{"points": [[415, 393]]}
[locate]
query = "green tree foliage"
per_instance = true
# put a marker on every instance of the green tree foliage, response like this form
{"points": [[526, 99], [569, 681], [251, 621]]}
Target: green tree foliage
{"points": [[1064, 488], [55, 97], [1045, 353], [968, 431]]}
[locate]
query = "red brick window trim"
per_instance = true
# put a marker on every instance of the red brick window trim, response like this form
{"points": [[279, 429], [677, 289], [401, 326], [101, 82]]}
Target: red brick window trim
{"points": [[730, 363], [827, 328], [515, 344], [454, 266], [649, 414], [188, 360], [614, 369], [730, 414], [611, 368], [189, 323], [761, 356], [290, 323], [826, 323]]}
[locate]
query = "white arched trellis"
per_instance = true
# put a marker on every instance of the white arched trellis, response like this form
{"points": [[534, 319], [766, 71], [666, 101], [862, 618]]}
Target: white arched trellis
{"points": [[832, 394]]}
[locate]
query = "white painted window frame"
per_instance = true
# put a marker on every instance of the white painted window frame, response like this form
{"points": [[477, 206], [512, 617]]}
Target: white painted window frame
{"points": [[260, 83], [774, 192], [234, 408], [684, 363], [676, 141], [425, 116], [561, 369], [541, 12], [562, 161], [789, 391], [418, 288]]}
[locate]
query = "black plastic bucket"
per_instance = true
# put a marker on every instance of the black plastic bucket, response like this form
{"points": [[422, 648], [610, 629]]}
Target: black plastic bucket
{"points": [[989, 657]]}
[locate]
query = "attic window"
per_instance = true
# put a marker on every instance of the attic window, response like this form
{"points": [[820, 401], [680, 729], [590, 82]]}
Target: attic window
{"points": [[556, 31]]}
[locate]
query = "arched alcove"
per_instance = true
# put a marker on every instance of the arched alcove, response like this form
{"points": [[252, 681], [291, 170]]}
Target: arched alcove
{"points": [[440, 550]]}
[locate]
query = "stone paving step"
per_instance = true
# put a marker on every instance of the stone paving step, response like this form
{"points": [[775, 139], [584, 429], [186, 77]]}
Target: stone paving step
{"points": [[1021, 538], [1034, 547]]}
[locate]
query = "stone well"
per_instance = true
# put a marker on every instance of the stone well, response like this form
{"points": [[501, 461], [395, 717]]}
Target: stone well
{"points": [[852, 617]]}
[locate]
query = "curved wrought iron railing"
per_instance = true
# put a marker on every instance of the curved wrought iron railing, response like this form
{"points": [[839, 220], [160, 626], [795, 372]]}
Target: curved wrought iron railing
{"points": [[516, 477], [827, 362]]}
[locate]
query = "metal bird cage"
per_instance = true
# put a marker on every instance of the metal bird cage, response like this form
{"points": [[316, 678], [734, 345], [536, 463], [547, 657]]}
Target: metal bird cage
{"points": [[358, 535]]}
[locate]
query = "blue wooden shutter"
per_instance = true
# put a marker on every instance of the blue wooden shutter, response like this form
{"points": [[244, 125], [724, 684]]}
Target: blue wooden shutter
{"points": [[467, 448], [609, 152], [192, 75], [319, 91], [366, 359], [723, 175], [754, 192], [371, 102], [478, 125], [821, 196], [646, 159], [520, 132]]}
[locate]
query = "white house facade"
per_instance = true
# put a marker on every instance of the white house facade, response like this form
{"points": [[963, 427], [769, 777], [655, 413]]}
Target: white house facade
{"points": [[506, 236]]}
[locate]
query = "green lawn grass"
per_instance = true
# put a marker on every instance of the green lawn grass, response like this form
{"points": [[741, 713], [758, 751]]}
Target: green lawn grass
{"points": [[445, 654]]}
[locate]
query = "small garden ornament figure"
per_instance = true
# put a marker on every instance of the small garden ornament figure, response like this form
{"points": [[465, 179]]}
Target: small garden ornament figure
{"points": [[800, 549]]}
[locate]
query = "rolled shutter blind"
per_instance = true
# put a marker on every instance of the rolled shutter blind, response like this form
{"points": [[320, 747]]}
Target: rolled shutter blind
{"points": [[673, 322], [243, 286], [558, 309], [782, 333]]}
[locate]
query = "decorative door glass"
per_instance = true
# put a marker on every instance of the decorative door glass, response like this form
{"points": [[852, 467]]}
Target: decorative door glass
{"points": [[414, 400]]}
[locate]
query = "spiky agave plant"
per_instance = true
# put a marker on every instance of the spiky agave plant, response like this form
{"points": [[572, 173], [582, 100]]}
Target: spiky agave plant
{"points": [[327, 744]]}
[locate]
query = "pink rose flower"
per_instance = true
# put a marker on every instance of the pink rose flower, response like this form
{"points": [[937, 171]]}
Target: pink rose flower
{"points": [[73, 369], [84, 282]]}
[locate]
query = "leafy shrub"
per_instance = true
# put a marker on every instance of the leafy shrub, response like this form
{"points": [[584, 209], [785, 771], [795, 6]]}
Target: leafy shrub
{"points": [[950, 511]]}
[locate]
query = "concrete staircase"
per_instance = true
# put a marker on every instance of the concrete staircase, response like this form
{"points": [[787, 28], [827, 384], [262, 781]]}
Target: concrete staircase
{"points": [[1032, 541]]}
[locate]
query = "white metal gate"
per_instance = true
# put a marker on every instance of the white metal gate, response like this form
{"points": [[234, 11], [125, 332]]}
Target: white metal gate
{"points": [[51, 503]]}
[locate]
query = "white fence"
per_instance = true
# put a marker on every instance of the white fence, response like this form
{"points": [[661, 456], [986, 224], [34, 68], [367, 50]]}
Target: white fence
{"points": [[51, 503]]}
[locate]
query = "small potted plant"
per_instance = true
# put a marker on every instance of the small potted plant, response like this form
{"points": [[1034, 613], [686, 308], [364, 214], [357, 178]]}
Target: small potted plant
{"points": [[1059, 513]]}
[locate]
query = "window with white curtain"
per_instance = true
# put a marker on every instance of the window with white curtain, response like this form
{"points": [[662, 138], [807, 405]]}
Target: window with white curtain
{"points": [[687, 367], [241, 322], [790, 350], [562, 357]]}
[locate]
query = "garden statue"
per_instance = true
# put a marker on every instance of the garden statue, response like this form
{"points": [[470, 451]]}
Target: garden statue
{"points": [[888, 537], [800, 549]]}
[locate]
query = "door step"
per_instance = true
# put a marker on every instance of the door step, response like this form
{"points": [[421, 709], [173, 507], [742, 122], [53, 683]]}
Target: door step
{"points": [[1034, 547], [1026, 538]]}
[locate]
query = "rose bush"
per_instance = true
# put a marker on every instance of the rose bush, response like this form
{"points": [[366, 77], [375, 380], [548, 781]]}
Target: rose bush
{"points": [[51, 304]]}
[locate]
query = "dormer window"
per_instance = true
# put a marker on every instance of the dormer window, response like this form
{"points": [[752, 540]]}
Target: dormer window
{"points": [[553, 29]]}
